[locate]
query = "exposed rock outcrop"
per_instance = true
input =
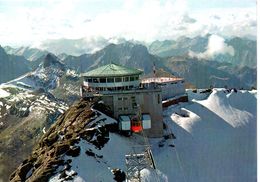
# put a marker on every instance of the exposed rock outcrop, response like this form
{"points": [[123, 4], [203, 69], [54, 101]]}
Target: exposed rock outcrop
{"points": [[58, 141]]}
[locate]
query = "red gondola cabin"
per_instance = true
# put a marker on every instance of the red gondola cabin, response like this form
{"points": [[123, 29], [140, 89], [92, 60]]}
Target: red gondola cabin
{"points": [[136, 124]]}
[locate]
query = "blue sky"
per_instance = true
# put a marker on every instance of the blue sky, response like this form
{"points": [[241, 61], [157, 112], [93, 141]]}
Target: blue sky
{"points": [[27, 22]]}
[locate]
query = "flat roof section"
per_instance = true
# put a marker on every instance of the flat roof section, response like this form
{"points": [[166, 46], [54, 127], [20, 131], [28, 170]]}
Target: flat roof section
{"points": [[161, 79]]}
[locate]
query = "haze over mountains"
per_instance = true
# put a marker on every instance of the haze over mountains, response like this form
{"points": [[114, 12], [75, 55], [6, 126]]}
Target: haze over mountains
{"points": [[238, 51], [202, 61]]}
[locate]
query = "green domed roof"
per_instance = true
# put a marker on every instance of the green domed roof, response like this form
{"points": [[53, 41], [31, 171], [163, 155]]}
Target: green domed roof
{"points": [[112, 70]]}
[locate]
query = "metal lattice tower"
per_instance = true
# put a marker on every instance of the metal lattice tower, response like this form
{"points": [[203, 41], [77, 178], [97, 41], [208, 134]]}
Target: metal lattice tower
{"points": [[137, 161]]}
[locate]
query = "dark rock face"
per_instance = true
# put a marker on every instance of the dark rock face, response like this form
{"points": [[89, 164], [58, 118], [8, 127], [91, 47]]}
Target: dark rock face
{"points": [[204, 74], [19, 111], [51, 60], [120, 175], [102, 137], [51, 139], [105, 109], [90, 153], [25, 170], [46, 77], [61, 149], [74, 151], [78, 123], [12, 66], [59, 140], [129, 54]]}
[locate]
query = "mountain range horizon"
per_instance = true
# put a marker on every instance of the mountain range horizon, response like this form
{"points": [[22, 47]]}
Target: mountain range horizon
{"points": [[44, 45], [231, 62]]}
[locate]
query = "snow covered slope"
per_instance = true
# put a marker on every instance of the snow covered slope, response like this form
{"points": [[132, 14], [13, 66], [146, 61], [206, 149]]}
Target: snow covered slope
{"points": [[215, 141], [51, 76], [23, 117], [29, 105], [46, 76], [97, 162]]}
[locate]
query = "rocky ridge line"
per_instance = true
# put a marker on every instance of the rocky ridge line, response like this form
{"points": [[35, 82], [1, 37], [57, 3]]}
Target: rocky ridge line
{"points": [[58, 141]]}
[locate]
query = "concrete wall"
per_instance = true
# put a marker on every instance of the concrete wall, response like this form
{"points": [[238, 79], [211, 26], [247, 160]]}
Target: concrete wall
{"points": [[108, 100], [149, 102], [125, 104], [172, 89], [176, 100], [152, 104]]}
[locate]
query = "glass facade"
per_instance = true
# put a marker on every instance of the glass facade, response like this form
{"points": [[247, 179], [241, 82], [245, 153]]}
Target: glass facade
{"points": [[112, 83], [112, 79]]}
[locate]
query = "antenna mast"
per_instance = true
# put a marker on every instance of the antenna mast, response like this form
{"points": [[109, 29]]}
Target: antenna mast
{"points": [[154, 70]]}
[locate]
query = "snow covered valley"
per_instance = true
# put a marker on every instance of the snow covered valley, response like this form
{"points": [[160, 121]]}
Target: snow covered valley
{"points": [[215, 141]]}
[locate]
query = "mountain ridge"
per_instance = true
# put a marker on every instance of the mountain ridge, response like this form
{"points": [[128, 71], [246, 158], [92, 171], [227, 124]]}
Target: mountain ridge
{"points": [[137, 55], [244, 49], [12, 66]]}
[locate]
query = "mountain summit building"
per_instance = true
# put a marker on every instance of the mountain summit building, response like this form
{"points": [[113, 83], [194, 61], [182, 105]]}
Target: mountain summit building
{"points": [[121, 89]]}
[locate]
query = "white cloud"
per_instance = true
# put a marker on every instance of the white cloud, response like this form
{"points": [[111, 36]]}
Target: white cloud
{"points": [[216, 46], [140, 20]]}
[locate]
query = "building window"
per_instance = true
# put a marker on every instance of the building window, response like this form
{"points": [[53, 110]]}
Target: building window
{"points": [[89, 80], [118, 79], [120, 109], [95, 80], [125, 98], [102, 80], [134, 105], [120, 98], [125, 108], [110, 80], [136, 78], [132, 78], [159, 100], [126, 79]]}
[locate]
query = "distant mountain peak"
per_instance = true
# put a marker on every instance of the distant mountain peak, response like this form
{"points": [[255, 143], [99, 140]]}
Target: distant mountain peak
{"points": [[2, 51], [50, 60]]}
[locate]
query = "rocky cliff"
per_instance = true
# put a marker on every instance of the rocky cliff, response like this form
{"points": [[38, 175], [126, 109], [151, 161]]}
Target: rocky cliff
{"points": [[48, 156]]}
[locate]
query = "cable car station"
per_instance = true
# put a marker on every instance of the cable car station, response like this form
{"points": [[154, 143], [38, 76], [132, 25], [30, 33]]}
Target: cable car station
{"points": [[137, 106]]}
